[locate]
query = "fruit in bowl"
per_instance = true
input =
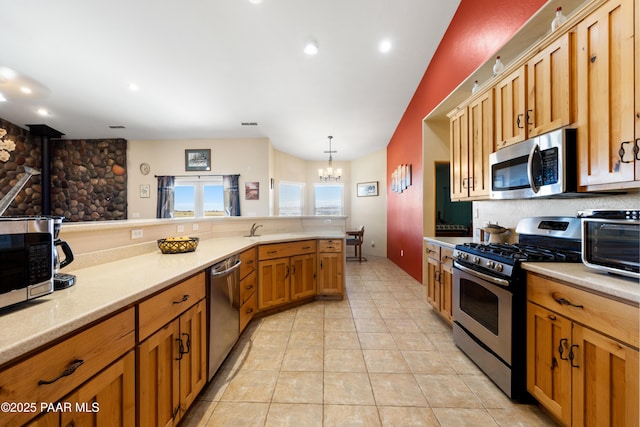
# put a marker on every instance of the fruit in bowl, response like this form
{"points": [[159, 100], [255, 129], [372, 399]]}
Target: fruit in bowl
{"points": [[178, 245]]}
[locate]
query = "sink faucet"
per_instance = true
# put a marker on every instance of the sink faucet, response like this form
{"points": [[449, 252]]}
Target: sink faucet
{"points": [[254, 227]]}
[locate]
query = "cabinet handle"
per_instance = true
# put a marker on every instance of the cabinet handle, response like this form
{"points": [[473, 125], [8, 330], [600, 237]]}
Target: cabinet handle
{"points": [[306, 247], [294, 270], [249, 310], [184, 298], [622, 151], [188, 342], [529, 116], [321, 264], [519, 121], [272, 252], [636, 146], [572, 355], [552, 317], [250, 262], [249, 287], [70, 369], [464, 183], [180, 349], [563, 301], [287, 274], [564, 343]]}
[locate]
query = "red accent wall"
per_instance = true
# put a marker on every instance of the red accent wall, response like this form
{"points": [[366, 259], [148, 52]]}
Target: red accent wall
{"points": [[477, 30]]}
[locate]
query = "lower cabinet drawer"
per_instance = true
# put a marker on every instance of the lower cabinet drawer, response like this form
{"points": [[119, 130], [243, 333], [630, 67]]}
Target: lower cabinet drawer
{"points": [[159, 310], [330, 245], [53, 373], [247, 310], [280, 250], [248, 286]]}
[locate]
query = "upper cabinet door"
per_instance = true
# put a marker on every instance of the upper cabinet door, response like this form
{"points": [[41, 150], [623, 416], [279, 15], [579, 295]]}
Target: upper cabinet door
{"points": [[480, 144], [606, 112], [549, 87], [511, 121], [459, 143]]}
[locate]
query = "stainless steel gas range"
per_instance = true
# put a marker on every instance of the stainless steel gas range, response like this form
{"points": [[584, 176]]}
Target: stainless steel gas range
{"points": [[489, 296]]}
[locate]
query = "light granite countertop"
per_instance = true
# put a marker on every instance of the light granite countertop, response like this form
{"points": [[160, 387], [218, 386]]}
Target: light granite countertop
{"points": [[449, 242], [103, 289]]}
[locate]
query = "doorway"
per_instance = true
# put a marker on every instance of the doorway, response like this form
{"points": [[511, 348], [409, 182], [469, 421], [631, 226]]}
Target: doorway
{"points": [[453, 219]]}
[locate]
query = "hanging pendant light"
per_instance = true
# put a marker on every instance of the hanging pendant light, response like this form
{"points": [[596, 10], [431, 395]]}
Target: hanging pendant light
{"points": [[329, 174]]}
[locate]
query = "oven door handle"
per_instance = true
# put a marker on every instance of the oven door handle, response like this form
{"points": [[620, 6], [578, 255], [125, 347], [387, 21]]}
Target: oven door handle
{"points": [[494, 280]]}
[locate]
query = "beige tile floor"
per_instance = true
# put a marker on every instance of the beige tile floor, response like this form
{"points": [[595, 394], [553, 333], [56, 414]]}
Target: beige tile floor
{"points": [[380, 357]]}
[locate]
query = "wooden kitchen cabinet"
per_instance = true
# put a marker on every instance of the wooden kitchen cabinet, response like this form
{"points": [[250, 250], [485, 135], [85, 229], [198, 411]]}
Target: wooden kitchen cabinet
{"points": [[439, 279], [331, 267], [248, 287], [538, 96], [608, 97], [303, 276], [172, 362], [582, 354], [510, 119], [472, 140], [71, 365], [276, 264]]}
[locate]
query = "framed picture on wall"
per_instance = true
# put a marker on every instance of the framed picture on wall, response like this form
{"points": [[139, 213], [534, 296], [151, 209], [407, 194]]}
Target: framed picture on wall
{"points": [[197, 160], [368, 189], [252, 190]]}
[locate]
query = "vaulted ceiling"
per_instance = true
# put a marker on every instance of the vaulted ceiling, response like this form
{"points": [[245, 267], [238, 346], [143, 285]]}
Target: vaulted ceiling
{"points": [[202, 68]]}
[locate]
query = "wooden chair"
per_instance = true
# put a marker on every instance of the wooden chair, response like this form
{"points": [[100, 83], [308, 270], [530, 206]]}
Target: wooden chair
{"points": [[355, 239]]}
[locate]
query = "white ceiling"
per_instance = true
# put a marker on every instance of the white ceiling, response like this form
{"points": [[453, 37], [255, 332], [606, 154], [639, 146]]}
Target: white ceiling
{"points": [[205, 66]]}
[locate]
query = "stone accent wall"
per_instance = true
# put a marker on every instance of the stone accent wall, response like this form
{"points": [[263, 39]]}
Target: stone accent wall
{"points": [[27, 153], [89, 179]]}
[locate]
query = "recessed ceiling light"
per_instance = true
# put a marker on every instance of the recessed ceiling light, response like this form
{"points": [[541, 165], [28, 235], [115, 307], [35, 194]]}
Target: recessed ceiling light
{"points": [[2, 98], [43, 112], [255, 1], [26, 90], [311, 48], [385, 46], [133, 87]]}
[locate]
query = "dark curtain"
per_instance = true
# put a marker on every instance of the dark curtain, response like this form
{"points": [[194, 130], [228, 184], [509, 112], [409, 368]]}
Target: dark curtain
{"points": [[231, 195], [165, 197]]}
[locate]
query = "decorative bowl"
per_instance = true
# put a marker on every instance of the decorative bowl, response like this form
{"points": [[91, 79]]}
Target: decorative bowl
{"points": [[178, 245]]}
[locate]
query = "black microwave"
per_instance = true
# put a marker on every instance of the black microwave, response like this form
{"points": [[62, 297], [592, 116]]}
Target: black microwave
{"points": [[611, 241], [539, 167], [26, 258]]}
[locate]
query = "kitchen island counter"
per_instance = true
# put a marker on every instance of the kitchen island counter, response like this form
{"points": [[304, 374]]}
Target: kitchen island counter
{"points": [[103, 289]]}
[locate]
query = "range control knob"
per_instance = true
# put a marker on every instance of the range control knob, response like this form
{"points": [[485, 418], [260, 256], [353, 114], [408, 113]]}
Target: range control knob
{"points": [[476, 260], [499, 267], [491, 264]]}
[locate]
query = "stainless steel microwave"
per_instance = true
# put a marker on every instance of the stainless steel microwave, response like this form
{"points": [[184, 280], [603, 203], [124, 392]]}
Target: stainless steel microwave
{"points": [[611, 240], [26, 258], [539, 167]]}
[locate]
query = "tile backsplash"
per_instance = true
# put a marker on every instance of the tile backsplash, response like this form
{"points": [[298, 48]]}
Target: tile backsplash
{"points": [[507, 212]]}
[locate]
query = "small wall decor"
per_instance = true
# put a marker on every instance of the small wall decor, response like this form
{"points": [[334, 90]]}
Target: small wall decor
{"points": [[367, 189], [252, 190], [401, 178], [197, 160], [145, 191]]}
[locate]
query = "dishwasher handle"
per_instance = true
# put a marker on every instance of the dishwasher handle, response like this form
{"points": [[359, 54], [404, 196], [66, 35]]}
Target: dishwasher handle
{"points": [[217, 273]]}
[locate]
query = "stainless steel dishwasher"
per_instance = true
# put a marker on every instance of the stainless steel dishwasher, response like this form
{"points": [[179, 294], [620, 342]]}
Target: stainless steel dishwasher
{"points": [[224, 310]]}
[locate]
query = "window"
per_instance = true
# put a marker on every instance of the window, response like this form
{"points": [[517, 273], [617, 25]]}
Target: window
{"points": [[329, 199], [290, 198], [198, 197]]}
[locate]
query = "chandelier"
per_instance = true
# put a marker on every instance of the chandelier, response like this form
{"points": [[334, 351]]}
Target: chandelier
{"points": [[330, 174]]}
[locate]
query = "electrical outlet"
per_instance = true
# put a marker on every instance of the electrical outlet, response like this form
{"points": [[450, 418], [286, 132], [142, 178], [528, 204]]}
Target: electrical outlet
{"points": [[181, 229], [195, 227], [373, 244], [136, 234]]}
